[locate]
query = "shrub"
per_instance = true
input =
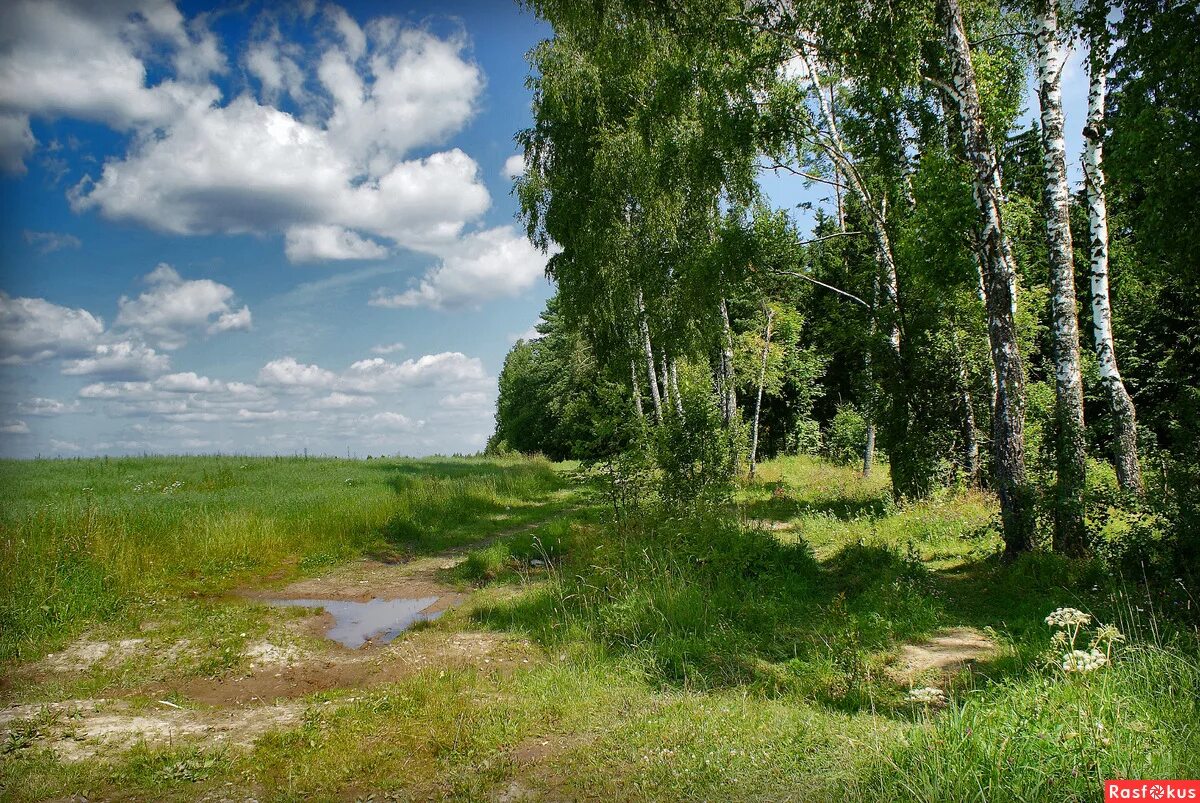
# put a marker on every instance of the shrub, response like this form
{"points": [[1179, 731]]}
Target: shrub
{"points": [[847, 435]]}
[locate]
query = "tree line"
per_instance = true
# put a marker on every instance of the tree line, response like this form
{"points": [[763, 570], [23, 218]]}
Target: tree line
{"points": [[960, 307]]}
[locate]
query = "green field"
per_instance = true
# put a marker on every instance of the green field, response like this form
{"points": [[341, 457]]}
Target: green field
{"points": [[760, 651]]}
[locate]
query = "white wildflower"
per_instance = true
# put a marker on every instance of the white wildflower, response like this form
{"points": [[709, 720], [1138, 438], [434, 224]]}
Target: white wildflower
{"points": [[1068, 617], [1083, 660], [927, 696]]}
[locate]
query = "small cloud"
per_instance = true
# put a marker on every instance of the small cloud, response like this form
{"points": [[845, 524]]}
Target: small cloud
{"points": [[125, 358], [64, 446], [342, 401], [326, 242], [47, 242], [514, 166], [287, 372], [46, 407], [390, 348], [470, 400], [174, 307], [232, 322], [13, 427], [529, 335], [482, 266]]}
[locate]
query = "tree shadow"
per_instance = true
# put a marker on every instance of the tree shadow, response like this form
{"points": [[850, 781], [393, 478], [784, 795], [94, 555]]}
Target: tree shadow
{"points": [[786, 508], [701, 607], [446, 504]]}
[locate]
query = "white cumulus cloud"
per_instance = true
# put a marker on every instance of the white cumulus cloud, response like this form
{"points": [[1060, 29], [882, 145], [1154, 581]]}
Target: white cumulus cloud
{"points": [[122, 359], [286, 372], [173, 308], [322, 242], [513, 166], [34, 329], [479, 267]]}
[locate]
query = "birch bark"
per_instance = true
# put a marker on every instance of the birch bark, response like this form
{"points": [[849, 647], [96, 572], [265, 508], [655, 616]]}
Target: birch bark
{"points": [[644, 328], [1124, 414], [1008, 423], [1064, 330], [675, 394], [729, 397], [762, 378], [637, 391]]}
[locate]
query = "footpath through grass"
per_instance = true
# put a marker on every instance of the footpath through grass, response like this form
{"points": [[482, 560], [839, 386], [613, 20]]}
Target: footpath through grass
{"points": [[750, 654]]}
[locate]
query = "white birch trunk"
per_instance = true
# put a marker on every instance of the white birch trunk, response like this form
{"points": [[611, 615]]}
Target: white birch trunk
{"points": [[649, 353], [1124, 414], [1064, 329], [762, 378], [729, 396], [637, 391], [970, 434], [1000, 277], [675, 395], [666, 381]]}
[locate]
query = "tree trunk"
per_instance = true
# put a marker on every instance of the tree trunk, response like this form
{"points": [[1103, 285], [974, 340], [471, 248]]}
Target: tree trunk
{"points": [[1124, 414], [729, 397], [650, 373], [637, 391], [970, 434], [869, 396], [762, 378], [1070, 450], [675, 395], [666, 381], [1008, 423], [835, 148]]}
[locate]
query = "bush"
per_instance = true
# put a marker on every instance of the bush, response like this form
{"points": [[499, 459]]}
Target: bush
{"points": [[847, 436], [805, 438]]}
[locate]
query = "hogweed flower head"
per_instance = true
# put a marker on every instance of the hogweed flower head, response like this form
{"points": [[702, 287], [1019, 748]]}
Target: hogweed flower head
{"points": [[927, 696], [1068, 617], [1082, 661]]}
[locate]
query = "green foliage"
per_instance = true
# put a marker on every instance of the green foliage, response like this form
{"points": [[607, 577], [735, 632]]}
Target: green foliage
{"points": [[805, 437], [846, 437], [555, 399], [696, 454]]}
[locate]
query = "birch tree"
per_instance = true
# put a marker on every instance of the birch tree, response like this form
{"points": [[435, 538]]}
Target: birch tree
{"points": [[1064, 331], [1000, 278], [1124, 415]]}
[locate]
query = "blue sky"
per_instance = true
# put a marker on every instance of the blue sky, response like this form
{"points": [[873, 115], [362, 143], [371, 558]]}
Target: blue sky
{"points": [[265, 228], [260, 229]]}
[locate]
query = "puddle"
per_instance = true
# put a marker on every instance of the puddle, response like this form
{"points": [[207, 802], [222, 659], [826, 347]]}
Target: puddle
{"points": [[378, 621]]}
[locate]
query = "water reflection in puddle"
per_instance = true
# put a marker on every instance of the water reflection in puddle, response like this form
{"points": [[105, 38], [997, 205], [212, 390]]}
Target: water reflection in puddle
{"points": [[378, 621]]}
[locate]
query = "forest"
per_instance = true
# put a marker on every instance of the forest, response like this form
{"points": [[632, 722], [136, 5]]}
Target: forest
{"points": [[969, 309]]}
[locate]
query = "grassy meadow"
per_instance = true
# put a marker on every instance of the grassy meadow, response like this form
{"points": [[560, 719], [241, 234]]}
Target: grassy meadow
{"points": [[755, 652]]}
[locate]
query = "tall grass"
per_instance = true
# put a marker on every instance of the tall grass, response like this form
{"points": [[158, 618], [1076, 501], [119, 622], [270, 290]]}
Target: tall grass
{"points": [[83, 539]]}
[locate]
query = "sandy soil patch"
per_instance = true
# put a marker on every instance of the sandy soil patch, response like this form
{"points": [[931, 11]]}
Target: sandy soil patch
{"points": [[82, 729], [340, 668], [944, 653]]}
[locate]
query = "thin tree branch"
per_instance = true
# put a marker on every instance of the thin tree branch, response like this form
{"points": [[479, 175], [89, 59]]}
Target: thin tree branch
{"points": [[831, 236], [802, 174], [820, 283]]}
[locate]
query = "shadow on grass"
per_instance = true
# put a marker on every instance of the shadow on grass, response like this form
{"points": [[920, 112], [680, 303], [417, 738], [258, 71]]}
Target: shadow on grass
{"points": [[703, 604], [786, 508], [452, 503]]}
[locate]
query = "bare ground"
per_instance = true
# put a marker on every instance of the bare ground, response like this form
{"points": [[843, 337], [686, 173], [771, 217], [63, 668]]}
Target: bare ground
{"points": [[236, 708], [942, 654]]}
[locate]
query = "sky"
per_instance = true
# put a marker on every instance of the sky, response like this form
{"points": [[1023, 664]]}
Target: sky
{"points": [[267, 228]]}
